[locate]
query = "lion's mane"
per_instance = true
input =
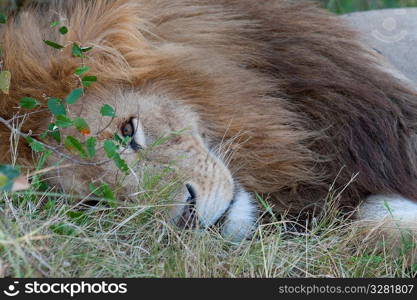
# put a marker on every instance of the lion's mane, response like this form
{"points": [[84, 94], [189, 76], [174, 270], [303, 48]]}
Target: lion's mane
{"points": [[300, 103]]}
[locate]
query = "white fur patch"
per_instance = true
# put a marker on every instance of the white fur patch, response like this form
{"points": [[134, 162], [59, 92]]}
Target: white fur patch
{"points": [[241, 218], [378, 208], [139, 135]]}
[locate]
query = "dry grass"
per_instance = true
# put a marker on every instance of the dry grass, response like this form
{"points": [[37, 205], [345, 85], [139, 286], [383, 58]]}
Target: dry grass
{"points": [[47, 236]]}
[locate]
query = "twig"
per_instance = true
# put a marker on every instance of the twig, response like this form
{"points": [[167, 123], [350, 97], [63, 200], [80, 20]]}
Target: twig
{"points": [[53, 149], [45, 170], [28, 114]]}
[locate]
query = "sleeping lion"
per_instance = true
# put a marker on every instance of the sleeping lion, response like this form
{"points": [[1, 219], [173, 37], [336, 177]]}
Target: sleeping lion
{"points": [[276, 98]]}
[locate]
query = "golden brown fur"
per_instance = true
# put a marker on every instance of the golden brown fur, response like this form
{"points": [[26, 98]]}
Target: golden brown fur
{"points": [[297, 100]]}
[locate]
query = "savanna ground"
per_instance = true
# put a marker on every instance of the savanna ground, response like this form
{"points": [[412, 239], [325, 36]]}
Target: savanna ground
{"points": [[44, 233]]}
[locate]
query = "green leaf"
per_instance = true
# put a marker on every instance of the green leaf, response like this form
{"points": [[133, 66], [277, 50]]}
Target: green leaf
{"points": [[74, 96], [7, 176], [108, 194], [63, 121], [53, 44], [76, 50], [56, 107], [82, 126], [29, 103], [5, 77], [105, 192], [74, 145], [63, 30], [110, 148], [88, 80], [111, 151], [107, 111], [121, 163], [81, 70], [3, 18], [122, 141], [35, 145], [54, 23], [93, 189], [53, 131], [91, 146]]}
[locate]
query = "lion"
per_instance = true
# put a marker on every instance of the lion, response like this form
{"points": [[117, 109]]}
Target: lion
{"points": [[274, 98]]}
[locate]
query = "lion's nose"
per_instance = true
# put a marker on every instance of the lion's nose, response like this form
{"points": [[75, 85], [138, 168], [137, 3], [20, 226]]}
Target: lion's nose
{"points": [[188, 218]]}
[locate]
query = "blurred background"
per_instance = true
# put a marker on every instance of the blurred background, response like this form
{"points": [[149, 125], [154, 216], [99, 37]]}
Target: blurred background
{"points": [[337, 6], [346, 6]]}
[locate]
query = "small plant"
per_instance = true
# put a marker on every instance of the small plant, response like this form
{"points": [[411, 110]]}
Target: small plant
{"points": [[82, 147]]}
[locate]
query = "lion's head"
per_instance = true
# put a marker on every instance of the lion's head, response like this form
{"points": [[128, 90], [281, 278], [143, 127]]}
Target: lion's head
{"points": [[150, 85], [164, 143]]}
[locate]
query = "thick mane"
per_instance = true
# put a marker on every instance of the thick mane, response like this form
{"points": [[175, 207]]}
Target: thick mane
{"points": [[310, 105], [40, 71], [366, 118]]}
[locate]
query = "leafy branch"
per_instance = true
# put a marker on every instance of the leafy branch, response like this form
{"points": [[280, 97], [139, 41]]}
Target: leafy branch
{"points": [[49, 147], [86, 150]]}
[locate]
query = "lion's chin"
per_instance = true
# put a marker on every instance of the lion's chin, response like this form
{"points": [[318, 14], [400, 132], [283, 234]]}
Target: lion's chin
{"points": [[240, 219]]}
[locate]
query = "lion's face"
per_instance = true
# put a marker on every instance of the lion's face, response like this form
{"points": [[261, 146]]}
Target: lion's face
{"points": [[164, 141]]}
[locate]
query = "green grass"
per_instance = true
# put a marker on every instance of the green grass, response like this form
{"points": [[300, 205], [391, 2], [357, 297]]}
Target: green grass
{"points": [[346, 6]]}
